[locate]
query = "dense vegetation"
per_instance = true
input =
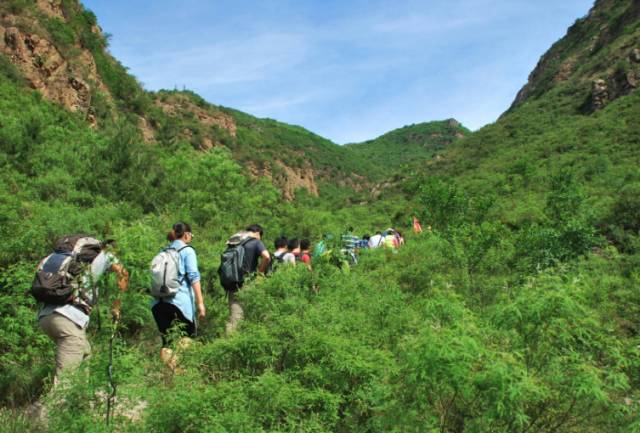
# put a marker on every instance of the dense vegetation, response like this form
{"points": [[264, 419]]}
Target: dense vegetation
{"points": [[519, 312], [404, 147]]}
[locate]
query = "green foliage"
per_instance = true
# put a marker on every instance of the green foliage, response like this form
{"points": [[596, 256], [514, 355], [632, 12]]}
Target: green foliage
{"points": [[404, 146], [9, 70], [512, 314], [122, 86], [63, 35], [17, 6]]}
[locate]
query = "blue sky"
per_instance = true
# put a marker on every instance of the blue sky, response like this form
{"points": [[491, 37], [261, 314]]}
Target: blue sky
{"points": [[348, 70]]}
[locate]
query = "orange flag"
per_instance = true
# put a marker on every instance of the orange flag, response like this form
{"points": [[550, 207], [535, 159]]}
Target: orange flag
{"points": [[417, 228]]}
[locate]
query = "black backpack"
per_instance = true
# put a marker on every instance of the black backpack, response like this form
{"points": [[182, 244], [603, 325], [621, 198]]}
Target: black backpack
{"points": [[55, 279], [232, 270]]}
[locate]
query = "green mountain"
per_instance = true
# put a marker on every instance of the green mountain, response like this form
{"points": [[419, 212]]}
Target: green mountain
{"points": [[413, 143], [517, 312], [57, 48], [565, 126]]}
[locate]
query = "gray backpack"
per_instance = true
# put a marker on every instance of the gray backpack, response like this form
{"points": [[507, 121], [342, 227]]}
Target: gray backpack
{"points": [[165, 273], [56, 279], [232, 270]]}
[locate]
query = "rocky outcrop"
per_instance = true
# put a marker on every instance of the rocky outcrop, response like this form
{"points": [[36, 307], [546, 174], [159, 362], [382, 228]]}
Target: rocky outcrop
{"points": [[148, 133], [453, 124], [45, 69], [566, 69], [296, 178], [621, 82], [52, 8], [288, 179], [599, 95], [601, 40], [67, 81], [181, 106]]}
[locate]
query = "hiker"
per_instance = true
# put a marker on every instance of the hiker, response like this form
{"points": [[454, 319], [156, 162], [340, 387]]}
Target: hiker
{"points": [[321, 247], [248, 247], [280, 245], [376, 241], [349, 240], [363, 243], [349, 244], [67, 302], [179, 306], [293, 252], [417, 228], [305, 252], [390, 239]]}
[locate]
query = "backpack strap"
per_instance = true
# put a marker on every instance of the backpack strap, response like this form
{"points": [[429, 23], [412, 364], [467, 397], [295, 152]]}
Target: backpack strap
{"points": [[178, 250], [185, 247]]}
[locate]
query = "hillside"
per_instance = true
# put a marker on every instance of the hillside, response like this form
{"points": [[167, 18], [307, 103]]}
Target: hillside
{"points": [[563, 127], [599, 57], [57, 48], [388, 153], [518, 312]]}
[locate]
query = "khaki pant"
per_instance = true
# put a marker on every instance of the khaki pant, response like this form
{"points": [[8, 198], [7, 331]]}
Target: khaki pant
{"points": [[72, 346], [235, 312]]}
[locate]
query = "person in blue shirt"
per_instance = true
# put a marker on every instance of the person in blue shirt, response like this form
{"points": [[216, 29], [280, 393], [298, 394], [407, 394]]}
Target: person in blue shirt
{"points": [[181, 308]]}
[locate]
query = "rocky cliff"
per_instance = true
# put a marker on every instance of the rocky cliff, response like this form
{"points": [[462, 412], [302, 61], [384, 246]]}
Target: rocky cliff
{"points": [[600, 56], [66, 75]]}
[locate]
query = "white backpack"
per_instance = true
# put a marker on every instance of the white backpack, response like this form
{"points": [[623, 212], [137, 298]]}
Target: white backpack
{"points": [[165, 273]]}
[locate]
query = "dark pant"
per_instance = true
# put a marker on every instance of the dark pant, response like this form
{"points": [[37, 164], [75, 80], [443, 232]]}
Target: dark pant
{"points": [[166, 315]]}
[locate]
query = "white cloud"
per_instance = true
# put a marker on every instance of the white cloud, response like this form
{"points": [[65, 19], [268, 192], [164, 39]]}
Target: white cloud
{"points": [[224, 62]]}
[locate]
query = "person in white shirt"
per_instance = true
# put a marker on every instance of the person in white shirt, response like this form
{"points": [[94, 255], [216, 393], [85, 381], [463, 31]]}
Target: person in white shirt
{"points": [[293, 251], [376, 241]]}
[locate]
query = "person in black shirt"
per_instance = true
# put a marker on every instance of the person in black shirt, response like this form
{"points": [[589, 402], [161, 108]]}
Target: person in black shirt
{"points": [[256, 258]]}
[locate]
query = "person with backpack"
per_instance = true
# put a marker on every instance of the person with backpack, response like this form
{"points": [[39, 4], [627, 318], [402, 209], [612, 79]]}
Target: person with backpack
{"points": [[67, 285], [376, 241], [321, 247], [349, 245], [293, 252], [390, 239], [245, 254], [176, 286], [363, 243], [349, 240], [305, 252], [280, 245]]}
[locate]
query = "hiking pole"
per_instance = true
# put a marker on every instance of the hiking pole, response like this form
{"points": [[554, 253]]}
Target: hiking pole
{"points": [[112, 384]]}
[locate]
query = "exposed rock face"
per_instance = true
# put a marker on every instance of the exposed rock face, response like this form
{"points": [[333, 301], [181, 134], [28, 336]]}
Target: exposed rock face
{"points": [[291, 180], [619, 83], [453, 123], [597, 42], [148, 133], [599, 94], [52, 8], [297, 178], [45, 68], [179, 105], [566, 69]]}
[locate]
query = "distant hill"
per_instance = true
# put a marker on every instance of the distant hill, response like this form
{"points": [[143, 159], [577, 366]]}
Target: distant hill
{"points": [[407, 145], [57, 48], [518, 310], [575, 126]]}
